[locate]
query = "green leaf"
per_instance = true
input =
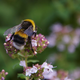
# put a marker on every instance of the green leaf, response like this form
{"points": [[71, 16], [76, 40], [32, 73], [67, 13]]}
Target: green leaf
{"points": [[15, 65], [33, 61], [22, 76]]}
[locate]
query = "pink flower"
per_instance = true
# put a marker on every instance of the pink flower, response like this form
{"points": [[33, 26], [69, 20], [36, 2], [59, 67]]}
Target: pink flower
{"points": [[45, 65], [39, 43], [66, 78], [34, 69], [22, 63]]}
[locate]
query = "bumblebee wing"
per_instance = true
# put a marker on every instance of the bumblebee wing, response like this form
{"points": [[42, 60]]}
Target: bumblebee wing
{"points": [[12, 30], [29, 31]]}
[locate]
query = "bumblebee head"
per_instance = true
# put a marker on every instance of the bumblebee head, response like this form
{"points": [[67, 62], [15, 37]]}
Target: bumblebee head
{"points": [[27, 22]]}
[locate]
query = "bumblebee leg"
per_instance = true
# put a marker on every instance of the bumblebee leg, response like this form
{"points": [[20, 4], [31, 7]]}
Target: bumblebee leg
{"points": [[34, 33], [29, 38], [11, 36]]}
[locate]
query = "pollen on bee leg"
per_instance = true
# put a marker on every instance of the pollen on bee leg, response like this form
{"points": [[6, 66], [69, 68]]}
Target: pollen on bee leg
{"points": [[4, 43]]}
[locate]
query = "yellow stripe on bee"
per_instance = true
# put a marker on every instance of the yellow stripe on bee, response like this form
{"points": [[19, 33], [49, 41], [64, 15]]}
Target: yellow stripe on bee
{"points": [[32, 22], [21, 34]]}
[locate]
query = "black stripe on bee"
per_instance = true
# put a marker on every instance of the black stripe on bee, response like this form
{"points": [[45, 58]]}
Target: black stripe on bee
{"points": [[18, 39]]}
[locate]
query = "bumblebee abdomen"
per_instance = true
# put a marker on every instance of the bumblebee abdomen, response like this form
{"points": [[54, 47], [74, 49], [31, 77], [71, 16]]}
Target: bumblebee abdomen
{"points": [[21, 34], [19, 39]]}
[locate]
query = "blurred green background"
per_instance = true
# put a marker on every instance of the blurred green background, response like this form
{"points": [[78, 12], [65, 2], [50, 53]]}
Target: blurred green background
{"points": [[44, 13]]}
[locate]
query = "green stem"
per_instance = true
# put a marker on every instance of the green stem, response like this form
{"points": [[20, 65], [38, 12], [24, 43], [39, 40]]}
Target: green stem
{"points": [[31, 78], [28, 56], [26, 66], [26, 61], [27, 78]]}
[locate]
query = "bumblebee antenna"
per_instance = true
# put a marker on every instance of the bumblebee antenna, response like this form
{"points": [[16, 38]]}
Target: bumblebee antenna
{"points": [[31, 21]]}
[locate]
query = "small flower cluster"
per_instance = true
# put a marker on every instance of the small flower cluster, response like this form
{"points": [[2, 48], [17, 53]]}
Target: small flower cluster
{"points": [[62, 74], [44, 71], [39, 43], [3, 75], [38, 71], [64, 37], [75, 74], [57, 75], [10, 49], [42, 42]]}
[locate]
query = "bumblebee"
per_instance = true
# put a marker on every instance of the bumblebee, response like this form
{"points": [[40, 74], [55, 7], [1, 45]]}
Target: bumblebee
{"points": [[22, 33]]}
